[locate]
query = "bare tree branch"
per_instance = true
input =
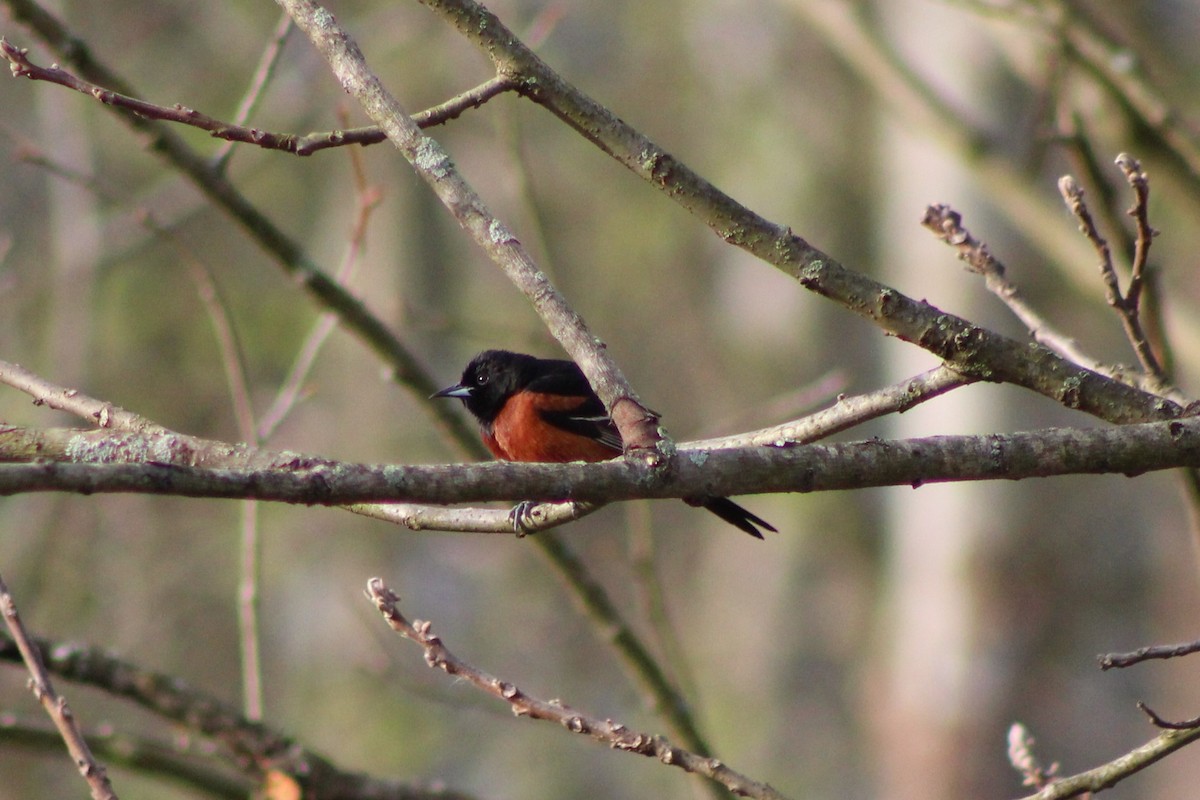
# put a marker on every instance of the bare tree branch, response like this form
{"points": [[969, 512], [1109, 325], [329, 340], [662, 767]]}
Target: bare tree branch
{"points": [[288, 254], [1166, 724], [847, 412], [1128, 450], [56, 706], [605, 731], [255, 749], [96, 412], [1122, 660], [1108, 775], [540, 517], [638, 425], [946, 224], [969, 349], [158, 759], [297, 144], [1124, 304]]}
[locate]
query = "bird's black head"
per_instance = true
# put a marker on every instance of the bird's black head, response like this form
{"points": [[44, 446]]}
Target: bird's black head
{"points": [[489, 380]]}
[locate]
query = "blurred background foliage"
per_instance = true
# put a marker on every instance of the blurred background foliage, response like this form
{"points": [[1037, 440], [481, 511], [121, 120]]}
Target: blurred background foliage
{"points": [[879, 647]]}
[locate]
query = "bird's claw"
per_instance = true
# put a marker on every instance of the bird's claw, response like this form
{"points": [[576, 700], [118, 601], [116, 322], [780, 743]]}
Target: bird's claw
{"points": [[524, 518]]}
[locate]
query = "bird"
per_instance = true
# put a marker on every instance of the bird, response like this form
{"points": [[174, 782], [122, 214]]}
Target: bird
{"points": [[544, 410]]}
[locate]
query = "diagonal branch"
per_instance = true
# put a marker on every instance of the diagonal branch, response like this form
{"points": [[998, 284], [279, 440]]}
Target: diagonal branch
{"points": [[605, 731], [638, 425], [322, 289], [288, 254], [1108, 775], [847, 412], [946, 224], [969, 349], [55, 705]]}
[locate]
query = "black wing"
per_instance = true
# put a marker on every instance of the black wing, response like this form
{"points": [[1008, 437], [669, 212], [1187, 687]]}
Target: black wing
{"points": [[565, 378]]}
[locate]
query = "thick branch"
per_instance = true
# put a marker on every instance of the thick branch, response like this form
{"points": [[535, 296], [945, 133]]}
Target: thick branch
{"points": [[1130, 450]]}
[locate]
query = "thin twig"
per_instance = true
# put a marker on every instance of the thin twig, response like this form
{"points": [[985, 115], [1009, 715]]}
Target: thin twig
{"points": [[297, 144], [1089, 170], [1125, 305], [846, 413], [369, 197], [249, 610], [56, 706], [1140, 211], [1072, 194], [946, 224], [234, 364], [1166, 724], [605, 731], [1122, 660], [667, 700], [96, 412], [537, 518]]}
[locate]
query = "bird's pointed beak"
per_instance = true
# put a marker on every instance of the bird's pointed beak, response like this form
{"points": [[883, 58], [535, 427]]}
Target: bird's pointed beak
{"points": [[457, 390]]}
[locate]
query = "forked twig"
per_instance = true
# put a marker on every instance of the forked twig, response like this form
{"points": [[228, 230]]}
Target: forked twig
{"points": [[1125, 304]]}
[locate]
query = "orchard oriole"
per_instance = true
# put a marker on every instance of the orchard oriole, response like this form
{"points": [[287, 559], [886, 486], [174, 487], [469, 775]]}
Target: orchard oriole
{"points": [[541, 409]]}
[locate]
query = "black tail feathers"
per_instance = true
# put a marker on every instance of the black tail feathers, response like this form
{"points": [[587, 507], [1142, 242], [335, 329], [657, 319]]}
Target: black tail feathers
{"points": [[735, 515]]}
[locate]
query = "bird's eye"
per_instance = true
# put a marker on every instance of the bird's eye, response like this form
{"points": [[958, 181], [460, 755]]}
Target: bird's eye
{"points": [[481, 379]]}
